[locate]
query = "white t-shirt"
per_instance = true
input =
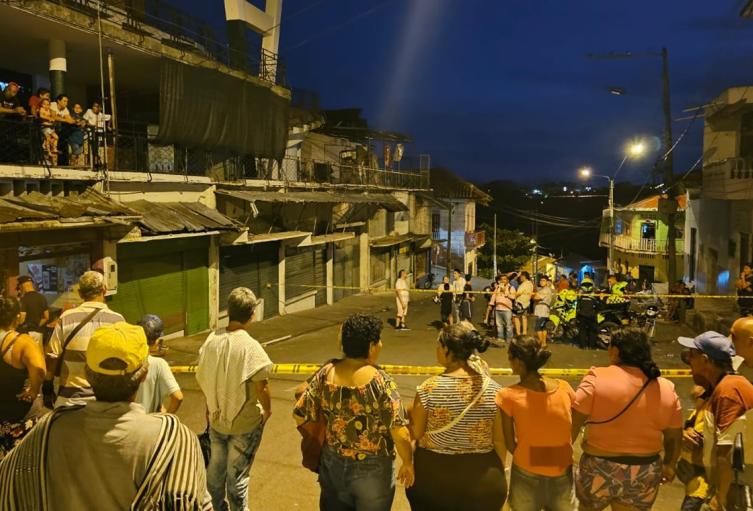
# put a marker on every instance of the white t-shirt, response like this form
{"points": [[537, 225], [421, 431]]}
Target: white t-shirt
{"points": [[402, 286], [525, 290], [458, 286], [542, 307], [159, 384], [63, 113]]}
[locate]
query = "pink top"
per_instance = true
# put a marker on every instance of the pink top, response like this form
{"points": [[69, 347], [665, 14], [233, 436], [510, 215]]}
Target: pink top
{"points": [[605, 391]]}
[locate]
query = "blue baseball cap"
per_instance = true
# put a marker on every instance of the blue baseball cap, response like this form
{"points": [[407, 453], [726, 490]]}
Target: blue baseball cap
{"points": [[713, 344]]}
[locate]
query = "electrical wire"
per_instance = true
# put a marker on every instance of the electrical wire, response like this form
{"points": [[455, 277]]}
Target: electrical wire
{"points": [[334, 28]]}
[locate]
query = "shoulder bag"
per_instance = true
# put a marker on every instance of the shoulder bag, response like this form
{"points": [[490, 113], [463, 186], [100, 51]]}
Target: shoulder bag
{"points": [[314, 433]]}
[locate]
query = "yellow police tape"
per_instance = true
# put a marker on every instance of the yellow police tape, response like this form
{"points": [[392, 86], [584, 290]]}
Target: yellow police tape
{"points": [[431, 370], [387, 290]]}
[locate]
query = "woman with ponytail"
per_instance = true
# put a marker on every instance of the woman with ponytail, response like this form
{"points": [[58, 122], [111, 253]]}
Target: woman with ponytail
{"points": [[460, 450], [631, 414], [537, 420]]}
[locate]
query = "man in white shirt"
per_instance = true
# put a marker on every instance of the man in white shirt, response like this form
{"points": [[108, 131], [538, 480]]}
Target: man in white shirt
{"points": [[458, 288], [233, 374], [159, 391], [523, 297], [402, 295]]}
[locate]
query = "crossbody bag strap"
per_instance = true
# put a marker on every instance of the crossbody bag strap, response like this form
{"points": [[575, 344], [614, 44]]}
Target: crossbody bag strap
{"points": [[454, 422], [10, 344], [70, 337], [627, 406]]}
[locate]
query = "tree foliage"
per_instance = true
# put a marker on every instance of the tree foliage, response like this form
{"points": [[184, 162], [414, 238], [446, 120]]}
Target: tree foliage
{"points": [[513, 250]]}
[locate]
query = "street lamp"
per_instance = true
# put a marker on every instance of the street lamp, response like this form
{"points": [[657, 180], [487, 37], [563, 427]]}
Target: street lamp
{"points": [[634, 150]]}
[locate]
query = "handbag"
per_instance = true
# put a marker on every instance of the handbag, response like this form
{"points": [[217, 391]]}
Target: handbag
{"points": [[314, 434], [206, 446]]}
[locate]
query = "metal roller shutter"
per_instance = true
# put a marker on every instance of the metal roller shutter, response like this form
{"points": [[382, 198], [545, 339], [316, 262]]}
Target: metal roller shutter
{"points": [[254, 267], [305, 271]]}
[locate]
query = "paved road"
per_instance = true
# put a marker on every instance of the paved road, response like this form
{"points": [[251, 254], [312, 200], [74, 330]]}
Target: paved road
{"points": [[278, 482]]}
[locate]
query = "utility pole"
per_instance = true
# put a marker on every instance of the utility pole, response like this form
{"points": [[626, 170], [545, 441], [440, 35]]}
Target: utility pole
{"points": [[610, 255], [669, 178], [494, 248], [448, 264]]}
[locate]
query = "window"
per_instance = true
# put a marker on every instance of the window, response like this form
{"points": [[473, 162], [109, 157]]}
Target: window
{"points": [[618, 225], [435, 223], [648, 231]]}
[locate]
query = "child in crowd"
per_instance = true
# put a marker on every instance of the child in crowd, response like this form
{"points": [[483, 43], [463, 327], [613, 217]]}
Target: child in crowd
{"points": [[47, 119], [690, 470]]}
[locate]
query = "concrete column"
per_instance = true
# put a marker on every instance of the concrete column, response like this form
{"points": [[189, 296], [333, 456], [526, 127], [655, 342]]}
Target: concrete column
{"points": [[270, 41], [9, 259], [364, 266], [214, 282], [281, 280], [330, 273], [58, 66]]}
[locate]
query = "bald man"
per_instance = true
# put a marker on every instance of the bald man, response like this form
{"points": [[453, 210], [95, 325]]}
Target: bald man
{"points": [[741, 334]]}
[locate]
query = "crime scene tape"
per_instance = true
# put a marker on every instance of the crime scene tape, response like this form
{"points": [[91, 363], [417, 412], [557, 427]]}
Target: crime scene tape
{"points": [[388, 290], [404, 370]]}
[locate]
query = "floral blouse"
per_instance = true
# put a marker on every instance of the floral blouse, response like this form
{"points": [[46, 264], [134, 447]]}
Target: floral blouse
{"points": [[358, 418]]}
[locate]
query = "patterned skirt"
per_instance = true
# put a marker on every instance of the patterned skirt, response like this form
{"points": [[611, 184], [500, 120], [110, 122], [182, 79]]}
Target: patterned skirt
{"points": [[11, 433]]}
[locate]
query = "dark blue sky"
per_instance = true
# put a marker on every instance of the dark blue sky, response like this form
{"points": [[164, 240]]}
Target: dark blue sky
{"points": [[501, 89]]}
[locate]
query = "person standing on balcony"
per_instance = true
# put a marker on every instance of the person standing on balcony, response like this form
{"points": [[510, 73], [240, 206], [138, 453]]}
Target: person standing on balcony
{"points": [[9, 101], [745, 290], [36, 100], [67, 125], [402, 294]]}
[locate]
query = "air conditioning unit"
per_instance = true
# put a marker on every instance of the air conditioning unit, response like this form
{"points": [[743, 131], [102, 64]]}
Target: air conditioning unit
{"points": [[110, 271]]}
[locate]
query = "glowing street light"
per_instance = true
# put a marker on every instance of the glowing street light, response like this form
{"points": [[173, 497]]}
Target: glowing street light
{"points": [[634, 150]]}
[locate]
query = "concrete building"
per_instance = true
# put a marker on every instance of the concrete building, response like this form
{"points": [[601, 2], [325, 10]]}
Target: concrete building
{"points": [[179, 205], [640, 238], [720, 216], [453, 222]]}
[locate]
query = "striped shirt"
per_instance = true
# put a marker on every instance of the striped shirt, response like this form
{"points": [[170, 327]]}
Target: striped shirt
{"points": [[444, 398], [73, 385], [135, 461]]}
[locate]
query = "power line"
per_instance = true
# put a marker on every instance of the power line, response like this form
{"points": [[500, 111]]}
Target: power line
{"points": [[334, 28]]}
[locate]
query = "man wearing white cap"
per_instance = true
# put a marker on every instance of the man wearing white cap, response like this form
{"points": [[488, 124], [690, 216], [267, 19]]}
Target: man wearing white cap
{"points": [[109, 453], [711, 357]]}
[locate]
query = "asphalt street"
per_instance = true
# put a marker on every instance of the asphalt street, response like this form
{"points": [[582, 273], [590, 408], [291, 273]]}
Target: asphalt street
{"points": [[278, 481]]}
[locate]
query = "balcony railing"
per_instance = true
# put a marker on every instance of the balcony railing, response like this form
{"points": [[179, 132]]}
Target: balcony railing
{"points": [[22, 142], [169, 25], [645, 245], [731, 178]]}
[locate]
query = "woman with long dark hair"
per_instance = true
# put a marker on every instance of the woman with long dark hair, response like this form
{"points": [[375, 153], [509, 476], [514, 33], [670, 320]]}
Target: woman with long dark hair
{"points": [[631, 414], [537, 422], [22, 370], [460, 450]]}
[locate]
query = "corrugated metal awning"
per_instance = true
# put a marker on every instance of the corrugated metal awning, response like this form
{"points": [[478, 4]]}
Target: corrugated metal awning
{"points": [[37, 210], [328, 238], [397, 239], [428, 197], [179, 217], [385, 200]]}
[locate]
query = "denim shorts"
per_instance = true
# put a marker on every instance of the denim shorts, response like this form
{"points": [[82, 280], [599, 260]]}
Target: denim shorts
{"points": [[540, 324], [532, 492], [349, 485]]}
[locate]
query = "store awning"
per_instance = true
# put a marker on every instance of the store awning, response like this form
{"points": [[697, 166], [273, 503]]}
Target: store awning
{"points": [[428, 197], [275, 236], [327, 238], [39, 211], [398, 239], [385, 200], [179, 217]]}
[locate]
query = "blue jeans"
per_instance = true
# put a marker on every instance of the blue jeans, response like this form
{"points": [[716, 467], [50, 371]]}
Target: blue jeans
{"points": [[229, 466], [503, 318], [351, 485], [531, 492]]}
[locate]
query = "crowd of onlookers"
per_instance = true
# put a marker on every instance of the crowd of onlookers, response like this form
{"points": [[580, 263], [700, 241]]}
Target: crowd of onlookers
{"points": [[63, 134], [103, 379]]}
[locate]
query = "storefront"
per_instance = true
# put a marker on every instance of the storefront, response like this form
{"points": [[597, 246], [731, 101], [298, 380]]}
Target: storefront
{"points": [[346, 269], [167, 277], [55, 270], [254, 266], [305, 277]]}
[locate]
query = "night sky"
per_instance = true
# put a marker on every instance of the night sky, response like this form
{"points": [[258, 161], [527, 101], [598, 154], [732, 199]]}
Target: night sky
{"points": [[502, 89]]}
